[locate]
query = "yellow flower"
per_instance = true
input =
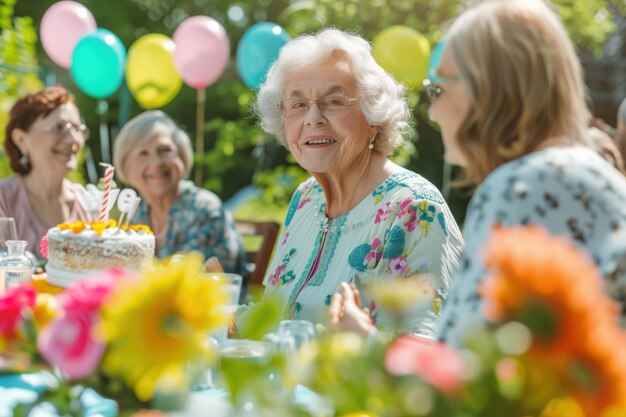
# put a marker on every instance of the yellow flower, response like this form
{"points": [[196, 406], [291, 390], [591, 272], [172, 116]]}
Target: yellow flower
{"points": [[46, 308], [154, 325]]}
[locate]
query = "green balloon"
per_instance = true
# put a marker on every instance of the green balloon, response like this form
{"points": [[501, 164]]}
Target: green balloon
{"points": [[98, 63]]}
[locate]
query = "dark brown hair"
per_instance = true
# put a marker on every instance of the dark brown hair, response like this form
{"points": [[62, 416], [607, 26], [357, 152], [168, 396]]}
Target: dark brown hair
{"points": [[24, 114]]}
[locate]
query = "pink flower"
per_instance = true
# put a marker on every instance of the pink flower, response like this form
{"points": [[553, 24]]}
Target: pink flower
{"points": [[412, 221], [274, 277], [68, 344], [434, 362], [303, 203], [88, 293], [398, 265], [374, 254], [43, 246], [383, 213], [12, 303], [403, 207]]}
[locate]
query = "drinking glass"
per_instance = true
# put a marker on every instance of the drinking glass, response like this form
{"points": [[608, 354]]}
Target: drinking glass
{"points": [[232, 285], [241, 360], [302, 331], [8, 231]]}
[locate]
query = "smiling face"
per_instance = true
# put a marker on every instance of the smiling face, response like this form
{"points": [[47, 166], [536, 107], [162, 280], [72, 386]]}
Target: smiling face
{"points": [[332, 142], [154, 166], [51, 149], [450, 109]]}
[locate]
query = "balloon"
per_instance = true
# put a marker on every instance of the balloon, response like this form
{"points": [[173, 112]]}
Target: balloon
{"points": [[435, 60], [202, 51], [150, 72], [98, 63], [403, 52], [62, 26], [257, 50]]}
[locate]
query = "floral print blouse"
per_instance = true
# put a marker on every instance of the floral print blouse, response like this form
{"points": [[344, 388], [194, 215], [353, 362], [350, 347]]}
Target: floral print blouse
{"points": [[570, 192], [197, 222], [403, 229]]}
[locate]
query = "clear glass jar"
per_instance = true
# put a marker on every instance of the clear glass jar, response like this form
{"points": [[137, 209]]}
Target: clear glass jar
{"points": [[15, 267]]}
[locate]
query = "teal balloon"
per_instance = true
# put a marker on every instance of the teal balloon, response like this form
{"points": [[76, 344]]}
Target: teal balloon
{"points": [[435, 60], [98, 63], [257, 50]]}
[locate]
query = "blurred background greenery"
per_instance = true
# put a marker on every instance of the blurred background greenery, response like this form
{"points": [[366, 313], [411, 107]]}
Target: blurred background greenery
{"points": [[239, 153]]}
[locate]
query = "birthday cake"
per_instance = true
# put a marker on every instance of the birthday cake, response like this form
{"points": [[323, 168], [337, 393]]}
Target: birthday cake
{"points": [[78, 249]]}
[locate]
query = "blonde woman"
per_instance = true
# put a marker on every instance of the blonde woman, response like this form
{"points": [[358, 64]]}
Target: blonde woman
{"points": [[510, 100]]}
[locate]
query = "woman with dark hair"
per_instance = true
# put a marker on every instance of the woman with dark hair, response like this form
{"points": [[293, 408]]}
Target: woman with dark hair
{"points": [[42, 140]]}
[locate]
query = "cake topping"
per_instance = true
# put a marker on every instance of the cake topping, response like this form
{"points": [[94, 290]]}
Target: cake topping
{"points": [[99, 227]]}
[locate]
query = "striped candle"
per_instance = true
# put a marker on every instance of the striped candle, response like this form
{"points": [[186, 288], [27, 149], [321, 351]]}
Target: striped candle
{"points": [[107, 178]]}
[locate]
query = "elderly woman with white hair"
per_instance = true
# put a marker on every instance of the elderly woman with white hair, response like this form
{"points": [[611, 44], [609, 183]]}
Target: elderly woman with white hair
{"points": [[153, 155], [360, 219]]}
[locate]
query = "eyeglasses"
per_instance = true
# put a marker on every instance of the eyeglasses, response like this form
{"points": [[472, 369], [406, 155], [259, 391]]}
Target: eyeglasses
{"points": [[62, 129], [328, 105], [434, 90]]}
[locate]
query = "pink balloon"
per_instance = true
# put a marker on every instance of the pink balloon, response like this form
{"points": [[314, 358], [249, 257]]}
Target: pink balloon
{"points": [[62, 26], [202, 51]]}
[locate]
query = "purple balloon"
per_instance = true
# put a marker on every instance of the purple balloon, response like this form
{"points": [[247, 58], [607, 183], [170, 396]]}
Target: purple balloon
{"points": [[62, 26], [202, 51]]}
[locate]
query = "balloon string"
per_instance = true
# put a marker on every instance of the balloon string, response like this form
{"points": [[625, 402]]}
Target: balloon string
{"points": [[200, 103], [102, 110]]}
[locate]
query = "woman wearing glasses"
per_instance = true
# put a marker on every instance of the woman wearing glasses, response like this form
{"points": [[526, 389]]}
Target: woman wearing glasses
{"points": [[43, 137], [510, 101], [360, 218]]}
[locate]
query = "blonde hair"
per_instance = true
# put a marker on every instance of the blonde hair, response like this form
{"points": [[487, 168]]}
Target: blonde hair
{"points": [[524, 82], [142, 128]]}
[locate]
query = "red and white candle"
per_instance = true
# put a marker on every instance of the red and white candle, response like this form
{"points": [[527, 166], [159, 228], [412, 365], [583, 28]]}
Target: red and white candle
{"points": [[107, 179]]}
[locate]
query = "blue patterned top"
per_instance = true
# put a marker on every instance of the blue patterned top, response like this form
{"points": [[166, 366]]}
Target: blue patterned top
{"points": [[197, 222], [402, 229], [570, 192]]}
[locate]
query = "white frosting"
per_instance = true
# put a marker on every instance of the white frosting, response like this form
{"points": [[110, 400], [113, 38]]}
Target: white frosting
{"points": [[74, 255]]}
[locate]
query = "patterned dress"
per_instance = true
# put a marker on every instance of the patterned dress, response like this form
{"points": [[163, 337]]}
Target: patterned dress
{"points": [[402, 229], [571, 192], [197, 222]]}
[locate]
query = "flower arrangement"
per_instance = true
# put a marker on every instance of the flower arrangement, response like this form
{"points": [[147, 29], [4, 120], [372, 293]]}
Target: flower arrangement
{"points": [[550, 348], [125, 334]]}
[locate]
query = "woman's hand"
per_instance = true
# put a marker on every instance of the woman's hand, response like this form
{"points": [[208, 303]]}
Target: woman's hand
{"points": [[346, 313]]}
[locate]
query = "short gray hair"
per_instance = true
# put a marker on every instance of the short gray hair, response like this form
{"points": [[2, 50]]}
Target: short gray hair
{"points": [[382, 99], [140, 129]]}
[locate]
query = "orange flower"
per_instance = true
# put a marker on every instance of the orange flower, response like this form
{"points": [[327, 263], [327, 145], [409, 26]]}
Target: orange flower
{"points": [[553, 288], [547, 284], [75, 227]]}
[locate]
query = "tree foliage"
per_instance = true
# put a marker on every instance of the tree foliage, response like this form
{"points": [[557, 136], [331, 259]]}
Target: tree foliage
{"points": [[19, 70]]}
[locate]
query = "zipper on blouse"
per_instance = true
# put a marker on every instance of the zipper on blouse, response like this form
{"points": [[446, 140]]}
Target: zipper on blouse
{"points": [[313, 270]]}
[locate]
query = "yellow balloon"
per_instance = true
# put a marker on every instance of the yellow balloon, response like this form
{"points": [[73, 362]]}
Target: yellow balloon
{"points": [[150, 72], [403, 52]]}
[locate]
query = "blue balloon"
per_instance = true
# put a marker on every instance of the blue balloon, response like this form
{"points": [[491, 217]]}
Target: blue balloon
{"points": [[98, 63], [257, 50], [435, 60]]}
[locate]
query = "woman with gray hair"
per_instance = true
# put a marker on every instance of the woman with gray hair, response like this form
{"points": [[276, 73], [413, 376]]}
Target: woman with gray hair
{"points": [[153, 155], [360, 219]]}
